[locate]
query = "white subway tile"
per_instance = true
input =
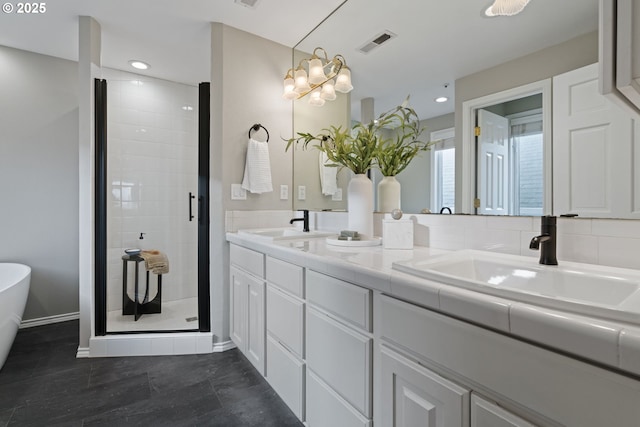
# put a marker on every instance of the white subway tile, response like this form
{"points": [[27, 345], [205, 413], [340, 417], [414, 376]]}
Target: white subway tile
{"points": [[616, 228], [522, 223], [577, 248], [619, 252], [574, 225], [504, 241]]}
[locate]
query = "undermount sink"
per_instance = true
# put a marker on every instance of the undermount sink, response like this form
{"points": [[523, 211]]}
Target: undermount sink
{"points": [[608, 292], [283, 233]]}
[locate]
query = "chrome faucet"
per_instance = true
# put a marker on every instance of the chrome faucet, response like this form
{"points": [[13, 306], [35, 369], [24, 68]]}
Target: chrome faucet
{"points": [[305, 219], [548, 240]]}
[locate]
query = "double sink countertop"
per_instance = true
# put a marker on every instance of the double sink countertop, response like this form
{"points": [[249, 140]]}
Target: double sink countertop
{"points": [[613, 344]]}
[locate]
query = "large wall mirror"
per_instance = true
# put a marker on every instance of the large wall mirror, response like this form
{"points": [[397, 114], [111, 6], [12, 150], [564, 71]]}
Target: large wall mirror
{"points": [[427, 50]]}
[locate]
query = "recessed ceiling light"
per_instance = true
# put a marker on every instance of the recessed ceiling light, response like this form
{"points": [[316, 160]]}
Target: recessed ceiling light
{"points": [[139, 64], [187, 108], [441, 99]]}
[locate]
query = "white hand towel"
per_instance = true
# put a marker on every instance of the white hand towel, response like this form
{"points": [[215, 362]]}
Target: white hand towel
{"points": [[328, 176], [257, 170]]}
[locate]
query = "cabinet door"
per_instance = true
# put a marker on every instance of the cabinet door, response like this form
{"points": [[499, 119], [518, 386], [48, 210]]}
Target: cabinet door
{"points": [[488, 414], [255, 340], [414, 396], [238, 308]]}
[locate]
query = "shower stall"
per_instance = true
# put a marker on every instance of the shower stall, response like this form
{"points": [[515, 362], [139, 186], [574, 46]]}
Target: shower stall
{"points": [[152, 205]]}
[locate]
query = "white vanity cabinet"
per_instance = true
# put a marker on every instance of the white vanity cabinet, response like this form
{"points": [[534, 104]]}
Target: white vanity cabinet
{"points": [[339, 348], [285, 332], [428, 359], [487, 414], [247, 306]]}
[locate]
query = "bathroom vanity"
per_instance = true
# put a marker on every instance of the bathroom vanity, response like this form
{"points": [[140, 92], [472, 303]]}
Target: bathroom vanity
{"points": [[347, 340]]}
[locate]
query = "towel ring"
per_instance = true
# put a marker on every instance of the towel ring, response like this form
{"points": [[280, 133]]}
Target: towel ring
{"points": [[257, 127]]}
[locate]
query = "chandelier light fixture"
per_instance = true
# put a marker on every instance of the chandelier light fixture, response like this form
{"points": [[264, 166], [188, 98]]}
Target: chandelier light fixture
{"points": [[323, 78], [506, 7]]}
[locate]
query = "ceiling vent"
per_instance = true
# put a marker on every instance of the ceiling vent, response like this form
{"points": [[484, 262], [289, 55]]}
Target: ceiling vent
{"points": [[251, 4], [376, 41]]}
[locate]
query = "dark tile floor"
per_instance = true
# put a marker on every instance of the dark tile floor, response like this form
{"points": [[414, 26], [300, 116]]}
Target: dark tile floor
{"points": [[43, 384]]}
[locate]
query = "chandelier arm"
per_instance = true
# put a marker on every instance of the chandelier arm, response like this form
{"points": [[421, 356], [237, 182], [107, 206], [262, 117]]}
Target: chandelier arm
{"points": [[326, 58]]}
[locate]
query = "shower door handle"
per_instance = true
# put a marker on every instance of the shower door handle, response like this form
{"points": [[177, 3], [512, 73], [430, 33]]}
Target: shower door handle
{"points": [[191, 197]]}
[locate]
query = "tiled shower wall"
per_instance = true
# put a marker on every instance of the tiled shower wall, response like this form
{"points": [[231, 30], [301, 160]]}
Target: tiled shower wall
{"points": [[152, 167], [612, 242]]}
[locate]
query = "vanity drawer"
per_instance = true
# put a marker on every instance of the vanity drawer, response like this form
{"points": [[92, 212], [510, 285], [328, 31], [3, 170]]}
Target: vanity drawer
{"points": [[285, 319], [286, 276], [341, 357], [285, 373], [326, 408], [348, 302], [247, 259]]}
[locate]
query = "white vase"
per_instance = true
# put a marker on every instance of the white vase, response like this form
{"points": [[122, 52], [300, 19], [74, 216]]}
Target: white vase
{"points": [[360, 205], [388, 194]]}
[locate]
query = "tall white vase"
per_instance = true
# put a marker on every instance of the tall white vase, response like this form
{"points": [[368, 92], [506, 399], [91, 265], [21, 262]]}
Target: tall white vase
{"points": [[388, 194], [360, 205]]}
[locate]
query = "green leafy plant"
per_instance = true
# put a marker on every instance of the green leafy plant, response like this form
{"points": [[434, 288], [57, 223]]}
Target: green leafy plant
{"points": [[355, 151], [364, 146], [395, 153]]}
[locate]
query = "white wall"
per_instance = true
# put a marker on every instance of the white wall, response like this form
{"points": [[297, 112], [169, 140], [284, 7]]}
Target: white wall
{"points": [[39, 176], [246, 88]]}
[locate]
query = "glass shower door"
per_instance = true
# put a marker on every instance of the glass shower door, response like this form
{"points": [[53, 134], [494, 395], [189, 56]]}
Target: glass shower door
{"points": [[152, 204]]}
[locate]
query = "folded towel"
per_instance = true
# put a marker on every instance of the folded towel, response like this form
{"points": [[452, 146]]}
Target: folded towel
{"points": [[155, 261], [328, 180], [349, 233], [257, 170]]}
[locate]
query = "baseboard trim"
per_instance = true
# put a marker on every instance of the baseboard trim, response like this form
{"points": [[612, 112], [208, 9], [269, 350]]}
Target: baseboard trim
{"points": [[40, 321], [219, 347], [83, 353]]}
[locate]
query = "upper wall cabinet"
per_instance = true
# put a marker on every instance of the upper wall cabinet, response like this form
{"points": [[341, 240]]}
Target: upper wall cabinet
{"points": [[620, 53]]}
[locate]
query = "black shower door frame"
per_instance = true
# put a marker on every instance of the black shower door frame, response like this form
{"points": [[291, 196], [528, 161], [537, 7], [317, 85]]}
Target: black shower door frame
{"points": [[204, 313]]}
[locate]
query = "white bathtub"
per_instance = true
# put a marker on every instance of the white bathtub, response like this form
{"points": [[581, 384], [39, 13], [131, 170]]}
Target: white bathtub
{"points": [[14, 288]]}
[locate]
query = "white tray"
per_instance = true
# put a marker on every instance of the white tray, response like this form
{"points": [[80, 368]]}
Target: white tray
{"points": [[373, 241]]}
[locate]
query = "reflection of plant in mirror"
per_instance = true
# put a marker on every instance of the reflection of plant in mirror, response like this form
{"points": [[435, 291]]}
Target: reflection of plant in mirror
{"points": [[394, 154], [354, 151], [364, 146]]}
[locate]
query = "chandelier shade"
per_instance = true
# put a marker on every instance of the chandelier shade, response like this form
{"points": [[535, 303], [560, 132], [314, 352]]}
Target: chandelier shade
{"points": [[343, 81], [289, 87], [318, 76], [315, 98], [328, 91]]}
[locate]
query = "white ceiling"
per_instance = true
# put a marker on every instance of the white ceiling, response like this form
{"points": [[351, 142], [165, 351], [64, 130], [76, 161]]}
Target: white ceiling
{"points": [[438, 40]]}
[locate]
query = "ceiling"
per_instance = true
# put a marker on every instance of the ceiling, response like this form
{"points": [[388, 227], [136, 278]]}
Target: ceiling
{"points": [[437, 41]]}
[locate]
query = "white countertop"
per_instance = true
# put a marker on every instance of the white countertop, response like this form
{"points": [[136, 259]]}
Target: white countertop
{"points": [[615, 345]]}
